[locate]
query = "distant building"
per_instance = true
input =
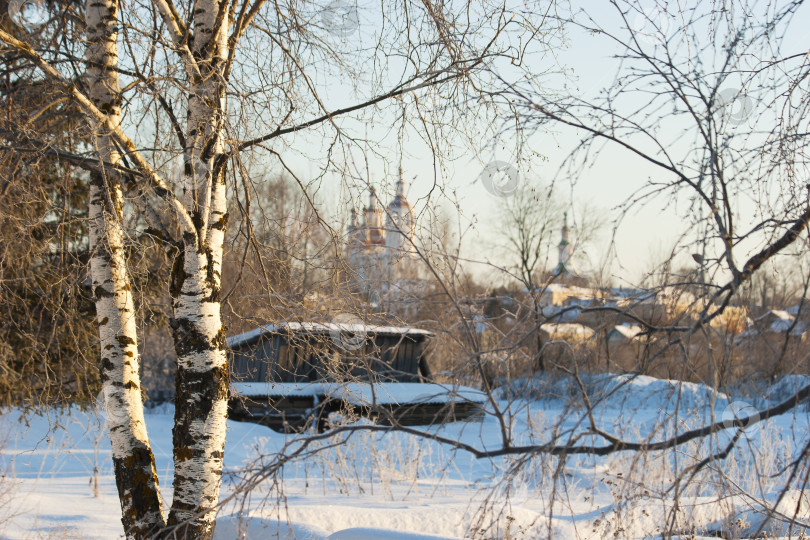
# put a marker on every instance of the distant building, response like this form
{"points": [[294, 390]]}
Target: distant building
{"points": [[381, 255], [625, 332], [777, 321], [565, 251], [569, 332]]}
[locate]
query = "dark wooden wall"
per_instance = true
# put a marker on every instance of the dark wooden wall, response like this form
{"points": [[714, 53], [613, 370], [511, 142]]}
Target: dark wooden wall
{"points": [[302, 358]]}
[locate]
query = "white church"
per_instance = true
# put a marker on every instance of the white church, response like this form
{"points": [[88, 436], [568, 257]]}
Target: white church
{"points": [[382, 259], [381, 254]]}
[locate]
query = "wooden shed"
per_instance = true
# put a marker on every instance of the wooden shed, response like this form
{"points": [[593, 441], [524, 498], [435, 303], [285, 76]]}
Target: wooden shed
{"points": [[288, 376], [310, 352]]}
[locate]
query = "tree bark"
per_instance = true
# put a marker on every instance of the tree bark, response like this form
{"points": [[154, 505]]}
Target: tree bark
{"points": [[133, 460], [202, 395], [202, 373]]}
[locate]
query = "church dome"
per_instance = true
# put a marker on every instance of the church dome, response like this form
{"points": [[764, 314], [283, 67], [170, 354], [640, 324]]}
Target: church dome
{"points": [[400, 223], [400, 206], [374, 214]]}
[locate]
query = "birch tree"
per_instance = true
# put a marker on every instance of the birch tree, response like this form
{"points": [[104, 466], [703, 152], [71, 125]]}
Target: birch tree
{"points": [[215, 81]]}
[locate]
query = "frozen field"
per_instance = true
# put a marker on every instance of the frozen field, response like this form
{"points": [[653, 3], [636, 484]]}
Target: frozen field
{"points": [[399, 486]]}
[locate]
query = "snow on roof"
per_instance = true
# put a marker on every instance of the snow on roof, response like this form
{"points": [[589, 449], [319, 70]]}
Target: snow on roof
{"points": [[563, 288], [322, 328], [556, 287], [780, 322], [628, 331], [666, 294], [781, 314], [365, 394], [622, 292], [567, 329]]}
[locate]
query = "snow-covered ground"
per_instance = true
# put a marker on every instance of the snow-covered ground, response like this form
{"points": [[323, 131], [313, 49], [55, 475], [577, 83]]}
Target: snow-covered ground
{"points": [[400, 486]]}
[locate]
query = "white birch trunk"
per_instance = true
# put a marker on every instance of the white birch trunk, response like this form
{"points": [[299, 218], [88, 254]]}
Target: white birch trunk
{"points": [[133, 460], [202, 399], [202, 372]]}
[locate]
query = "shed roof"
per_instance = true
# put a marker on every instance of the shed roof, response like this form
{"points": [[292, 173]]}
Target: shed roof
{"points": [[562, 330], [315, 328]]}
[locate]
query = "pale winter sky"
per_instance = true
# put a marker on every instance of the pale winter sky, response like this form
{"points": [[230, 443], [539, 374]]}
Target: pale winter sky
{"points": [[643, 238], [601, 188]]}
